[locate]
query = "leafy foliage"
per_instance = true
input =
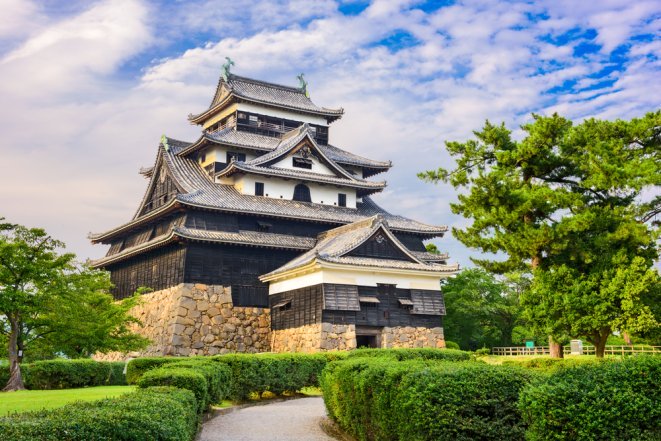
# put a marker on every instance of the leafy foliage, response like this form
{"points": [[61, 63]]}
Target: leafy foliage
{"points": [[209, 381], [565, 201], [611, 400], [67, 374], [159, 413], [401, 354], [52, 305], [382, 399], [481, 310]]}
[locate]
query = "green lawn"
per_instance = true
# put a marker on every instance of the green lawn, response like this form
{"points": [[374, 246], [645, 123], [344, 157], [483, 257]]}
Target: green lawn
{"points": [[26, 400]]}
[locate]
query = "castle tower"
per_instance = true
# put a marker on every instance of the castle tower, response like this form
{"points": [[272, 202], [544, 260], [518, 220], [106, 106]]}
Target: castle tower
{"points": [[229, 216]]}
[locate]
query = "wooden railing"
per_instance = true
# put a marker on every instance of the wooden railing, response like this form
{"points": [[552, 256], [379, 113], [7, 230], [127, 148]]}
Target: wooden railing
{"points": [[587, 350]]}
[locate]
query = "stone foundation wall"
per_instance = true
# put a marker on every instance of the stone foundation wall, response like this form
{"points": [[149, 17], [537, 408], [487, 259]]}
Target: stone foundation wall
{"points": [[197, 319], [410, 337], [302, 339], [338, 337], [314, 338]]}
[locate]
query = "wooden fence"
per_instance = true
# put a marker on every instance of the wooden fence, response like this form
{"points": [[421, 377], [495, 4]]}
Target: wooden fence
{"points": [[587, 350]]}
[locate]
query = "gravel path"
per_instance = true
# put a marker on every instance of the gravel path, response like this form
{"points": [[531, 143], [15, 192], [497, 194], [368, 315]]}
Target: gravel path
{"points": [[291, 420]]}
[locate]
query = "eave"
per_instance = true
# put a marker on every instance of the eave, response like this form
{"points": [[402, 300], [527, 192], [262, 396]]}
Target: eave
{"points": [[330, 114]]}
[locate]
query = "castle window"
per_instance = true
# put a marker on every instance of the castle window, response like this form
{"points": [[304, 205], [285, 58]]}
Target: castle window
{"points": [[342, 200], [302, 163], [302, 193], [237, 156], [263, 226], [203, 157], [259, 189]]}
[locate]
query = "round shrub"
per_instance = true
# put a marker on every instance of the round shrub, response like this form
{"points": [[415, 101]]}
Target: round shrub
{"points": [[451, 345]]}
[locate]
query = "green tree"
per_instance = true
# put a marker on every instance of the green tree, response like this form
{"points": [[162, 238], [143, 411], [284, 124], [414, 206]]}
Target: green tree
{"points": [[50, 304], [537, 200], [84, 319], [29, 268], [481, 310]]}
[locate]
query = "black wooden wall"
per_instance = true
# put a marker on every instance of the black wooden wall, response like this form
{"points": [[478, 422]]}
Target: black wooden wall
{"points": [[240, 267], [379, 246], [235, 222], [388, 312], [164, 191], [306, 307], [157, 269]]}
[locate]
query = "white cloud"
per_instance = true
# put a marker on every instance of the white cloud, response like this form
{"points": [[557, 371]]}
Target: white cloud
{"points": [[76, 131]]}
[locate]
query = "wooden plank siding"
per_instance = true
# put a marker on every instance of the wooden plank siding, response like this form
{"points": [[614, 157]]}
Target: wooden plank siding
{"points": [[236, 266], [156, 269], [307, 308]]}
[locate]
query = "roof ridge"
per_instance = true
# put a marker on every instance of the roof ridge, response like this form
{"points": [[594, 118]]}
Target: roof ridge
{"points": [[367, 222], [264, 83]]}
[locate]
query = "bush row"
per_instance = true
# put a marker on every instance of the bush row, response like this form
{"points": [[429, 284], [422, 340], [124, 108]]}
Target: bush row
{"points": [[596, 401], [251, 373], [209, 381], [383, 399], [402, 354], [68, 374], [278, 373], [157, 413]]}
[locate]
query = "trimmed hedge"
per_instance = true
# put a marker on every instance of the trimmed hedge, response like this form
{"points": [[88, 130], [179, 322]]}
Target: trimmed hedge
{"points": [[138, 366], [163, 413], [616, 400], [252, 373], [402, 354], [382, 399], [276, 373], [68, 374], [207, 380], [548, 364]]}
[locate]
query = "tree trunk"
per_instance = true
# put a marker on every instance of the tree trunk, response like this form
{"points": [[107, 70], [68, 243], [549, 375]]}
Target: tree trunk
{"points": [[627, 338], [15, 379], [600, 342], [555, 349]]}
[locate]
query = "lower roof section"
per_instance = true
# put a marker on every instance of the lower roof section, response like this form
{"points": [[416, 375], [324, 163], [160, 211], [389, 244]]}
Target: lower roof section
{"points": [[181, 233], [320, 272]]}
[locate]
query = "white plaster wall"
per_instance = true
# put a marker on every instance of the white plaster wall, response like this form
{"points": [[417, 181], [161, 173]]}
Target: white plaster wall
{"points": [[358, 276], [274, 188], [219, 154], [278, 113]]}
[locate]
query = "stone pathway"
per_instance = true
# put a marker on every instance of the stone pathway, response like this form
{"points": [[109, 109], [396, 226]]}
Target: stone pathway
{"points": [[291, 420]]}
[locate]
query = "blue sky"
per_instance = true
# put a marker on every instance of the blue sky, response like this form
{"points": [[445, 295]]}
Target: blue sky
{"points": [[89, 87]]}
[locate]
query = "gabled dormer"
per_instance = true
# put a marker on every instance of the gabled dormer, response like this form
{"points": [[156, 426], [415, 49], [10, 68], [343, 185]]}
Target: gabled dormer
{"points": [[298, 169]]}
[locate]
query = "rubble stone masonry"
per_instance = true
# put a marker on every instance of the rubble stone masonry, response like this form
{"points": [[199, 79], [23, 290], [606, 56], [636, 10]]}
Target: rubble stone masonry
{"points": [[196, 319]]}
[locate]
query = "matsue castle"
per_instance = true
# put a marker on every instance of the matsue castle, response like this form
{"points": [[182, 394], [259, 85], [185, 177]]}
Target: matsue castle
{"points": [[261, 236]]}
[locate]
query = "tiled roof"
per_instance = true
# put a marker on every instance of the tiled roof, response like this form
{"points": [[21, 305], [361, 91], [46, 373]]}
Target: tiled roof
{"points": [[300, 174], [333, 245], [397, 264], [265, 93], [254, 238], [243, 237], [430, 257], [254, 141], [198, 190]]}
